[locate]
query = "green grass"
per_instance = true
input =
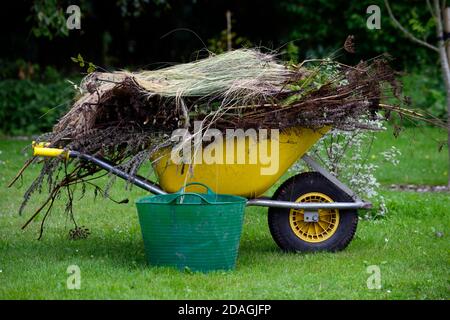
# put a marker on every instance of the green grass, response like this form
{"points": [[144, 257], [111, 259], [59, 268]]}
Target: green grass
{"points": [[421, 162], [413, 258]]}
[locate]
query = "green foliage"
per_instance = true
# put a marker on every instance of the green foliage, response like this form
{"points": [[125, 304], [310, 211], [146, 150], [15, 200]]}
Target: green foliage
{"points": [[82, 63], [318, 27], [321, 26], [49, 16], [49, 19], [323, 72], [218, 44], [136, 8], [425, 89], [423, 29], [18, 68], [30, 106], [292, 52]]}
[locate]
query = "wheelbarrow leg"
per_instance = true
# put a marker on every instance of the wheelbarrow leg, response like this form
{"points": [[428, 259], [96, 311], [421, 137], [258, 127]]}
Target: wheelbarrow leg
{"points": [[327, 174]]}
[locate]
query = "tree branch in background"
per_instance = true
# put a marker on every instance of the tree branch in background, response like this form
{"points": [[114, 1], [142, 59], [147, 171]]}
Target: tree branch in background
{"points": [[406, 32], [430, 8]]}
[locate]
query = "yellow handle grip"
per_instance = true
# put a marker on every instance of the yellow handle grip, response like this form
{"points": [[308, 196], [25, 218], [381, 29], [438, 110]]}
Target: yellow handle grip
{"points": [[49, 152]]}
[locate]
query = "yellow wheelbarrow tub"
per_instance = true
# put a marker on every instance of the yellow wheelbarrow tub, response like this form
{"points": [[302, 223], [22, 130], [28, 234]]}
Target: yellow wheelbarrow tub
{"points": [[248, 177]]}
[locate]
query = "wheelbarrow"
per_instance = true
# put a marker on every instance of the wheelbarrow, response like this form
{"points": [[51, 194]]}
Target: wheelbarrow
{"points": [[311, 211]]}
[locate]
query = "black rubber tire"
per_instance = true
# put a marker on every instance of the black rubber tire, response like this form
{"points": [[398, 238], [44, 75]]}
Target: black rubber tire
{"points": [[291, 190]]}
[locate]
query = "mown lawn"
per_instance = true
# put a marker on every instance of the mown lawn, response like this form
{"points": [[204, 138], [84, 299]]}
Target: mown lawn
{"points": [[421, 162], [410, 246]]}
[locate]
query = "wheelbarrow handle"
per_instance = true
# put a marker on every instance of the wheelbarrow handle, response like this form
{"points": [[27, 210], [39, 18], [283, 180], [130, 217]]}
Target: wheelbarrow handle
{"points": [[39, 151], [42, 149]]}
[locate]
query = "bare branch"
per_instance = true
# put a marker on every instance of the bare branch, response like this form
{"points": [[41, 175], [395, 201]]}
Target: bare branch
{"points": [[439, 26], [408, 34], [430, 8]]}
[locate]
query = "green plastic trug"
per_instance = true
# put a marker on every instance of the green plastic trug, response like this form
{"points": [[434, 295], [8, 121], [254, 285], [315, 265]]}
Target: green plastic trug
{"points": [[200, 232]]}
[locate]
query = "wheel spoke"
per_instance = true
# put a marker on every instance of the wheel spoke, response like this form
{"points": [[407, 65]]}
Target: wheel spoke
{"points": [[310, 229], [324, 229], [316, 229], [304, 227]]}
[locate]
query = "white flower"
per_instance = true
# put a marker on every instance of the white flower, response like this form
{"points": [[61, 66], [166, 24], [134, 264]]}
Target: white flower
{"points": [[345, 155]]}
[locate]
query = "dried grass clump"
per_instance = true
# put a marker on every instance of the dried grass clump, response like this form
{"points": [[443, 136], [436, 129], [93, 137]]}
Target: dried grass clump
{"points": [[241, 74]]}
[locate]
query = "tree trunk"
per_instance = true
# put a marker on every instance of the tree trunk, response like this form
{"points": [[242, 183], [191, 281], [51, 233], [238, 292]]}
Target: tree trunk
{"points": [[229, 36], [445, 65], [447, 48]]}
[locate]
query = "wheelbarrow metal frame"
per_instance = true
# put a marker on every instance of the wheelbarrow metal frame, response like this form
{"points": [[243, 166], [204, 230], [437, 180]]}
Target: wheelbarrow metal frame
{"points": [[259, 202]]}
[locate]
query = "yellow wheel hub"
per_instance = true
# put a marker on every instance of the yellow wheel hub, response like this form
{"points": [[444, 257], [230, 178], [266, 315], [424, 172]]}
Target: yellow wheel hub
{"points": [[318, 231]]}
